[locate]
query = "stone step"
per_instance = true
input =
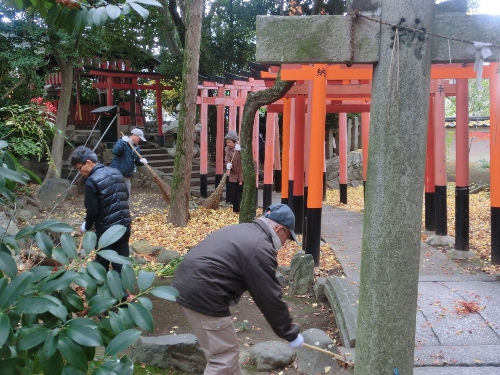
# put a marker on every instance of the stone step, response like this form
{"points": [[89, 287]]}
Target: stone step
{"points": [[342, 294]]}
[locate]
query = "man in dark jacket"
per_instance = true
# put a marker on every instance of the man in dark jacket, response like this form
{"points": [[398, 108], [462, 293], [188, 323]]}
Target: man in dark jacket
{"points": [[106, 201], [215, 273], [124, 157]]}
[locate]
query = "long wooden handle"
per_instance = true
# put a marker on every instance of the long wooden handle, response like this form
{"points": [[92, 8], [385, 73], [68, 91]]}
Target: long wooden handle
{"points": [[336, 356]]}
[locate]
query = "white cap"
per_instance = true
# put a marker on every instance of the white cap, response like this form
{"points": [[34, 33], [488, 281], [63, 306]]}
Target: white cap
{"points": [[139, 133]]}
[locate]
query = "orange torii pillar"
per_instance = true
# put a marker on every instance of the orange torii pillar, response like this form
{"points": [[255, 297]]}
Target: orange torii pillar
{"points": [[219, 139], [285, 150], [316, 163], [495, 163], [307, 142], [440, 161], [298, 156], [277, 160], [365, 130], [204, 144], [430, 181], [159, 113], [461, 250], [233, 109], [291, 161], [267, 194], [343, 157]]}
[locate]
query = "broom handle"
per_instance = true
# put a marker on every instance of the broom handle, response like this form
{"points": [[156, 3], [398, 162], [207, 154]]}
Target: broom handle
{"points": [[336, 356]]}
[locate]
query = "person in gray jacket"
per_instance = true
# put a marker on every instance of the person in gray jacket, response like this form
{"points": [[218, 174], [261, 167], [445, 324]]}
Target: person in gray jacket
{"points": [[215, 273]]}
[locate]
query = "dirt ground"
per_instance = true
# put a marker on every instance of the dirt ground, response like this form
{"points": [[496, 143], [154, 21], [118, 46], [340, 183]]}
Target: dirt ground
{"points": [[251, 325]]}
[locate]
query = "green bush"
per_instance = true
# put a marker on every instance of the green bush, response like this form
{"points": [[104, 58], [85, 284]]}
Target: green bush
{"points": [[46, 326]]}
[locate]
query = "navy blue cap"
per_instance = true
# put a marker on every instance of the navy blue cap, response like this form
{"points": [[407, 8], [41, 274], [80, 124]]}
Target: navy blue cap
{"points": [[282, 214]]}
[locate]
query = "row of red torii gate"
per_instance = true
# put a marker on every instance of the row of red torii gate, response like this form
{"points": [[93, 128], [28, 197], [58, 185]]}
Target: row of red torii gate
{"points": [[299, 160]]}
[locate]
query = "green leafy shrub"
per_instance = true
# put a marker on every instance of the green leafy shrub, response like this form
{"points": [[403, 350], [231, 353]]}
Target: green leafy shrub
{"points": [[52, 318], [28, 128]]}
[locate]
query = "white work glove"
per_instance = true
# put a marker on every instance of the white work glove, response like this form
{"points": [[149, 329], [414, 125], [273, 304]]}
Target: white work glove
{"points": [[126, 139], [229, 166], [143, 160], [82, 228], [237, 147], [297, 343]]}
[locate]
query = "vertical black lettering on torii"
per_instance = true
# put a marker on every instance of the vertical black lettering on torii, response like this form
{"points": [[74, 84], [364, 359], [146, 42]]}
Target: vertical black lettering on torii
{"points": [[496, 71], [321, 72], [410, 36], [465, 65], [440, 89]]}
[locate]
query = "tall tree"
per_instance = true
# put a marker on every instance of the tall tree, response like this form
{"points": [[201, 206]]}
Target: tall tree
{"points": [[181, 182]]}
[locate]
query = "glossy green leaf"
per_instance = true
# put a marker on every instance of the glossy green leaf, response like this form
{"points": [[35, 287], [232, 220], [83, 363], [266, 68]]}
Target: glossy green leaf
{"points": [[145, 280], [71, 300], [41, 272], [72, 353], [34, 305], [8, 195], [13, 175], [101, 305], [50, 365], [128, 278], [89, 241], [90, 17], [4, 328], [115, 284], [84, 335], [113, 11], [10, 366], [141, 316], [112, 256], [116, 323], [59, 255], [111, 235], [44, 242], [125, 9], [148, 2], [122, 341], [146, 302], [69, 246], [126, 318], [53, 14], [71, 370], [50, 345], [97, 271], [25, 231], [87, 282], [126, 366], [33, 338], [143, 12], [165, 292], [3, 144], [61, 228], [82, 322], [15, 288], [10, 240], [8, 265], [61, 282], [45, 224], [100, 16], [81, 20]]}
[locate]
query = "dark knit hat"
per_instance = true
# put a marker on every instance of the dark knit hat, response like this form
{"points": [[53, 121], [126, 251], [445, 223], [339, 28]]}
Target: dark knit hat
{"points": [[232, 135]]}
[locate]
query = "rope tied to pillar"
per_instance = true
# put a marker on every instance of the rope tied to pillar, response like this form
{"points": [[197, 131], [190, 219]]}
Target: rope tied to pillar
{"points": [[354, 16]]}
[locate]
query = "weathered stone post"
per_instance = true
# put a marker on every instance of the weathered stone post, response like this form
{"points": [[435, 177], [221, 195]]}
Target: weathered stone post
{"points": [[394, 187]]}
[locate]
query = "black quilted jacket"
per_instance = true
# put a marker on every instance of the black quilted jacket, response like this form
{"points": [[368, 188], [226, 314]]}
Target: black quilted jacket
{"points": [[106, 198]]}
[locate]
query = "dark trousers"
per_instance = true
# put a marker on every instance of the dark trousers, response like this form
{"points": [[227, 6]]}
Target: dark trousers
{"points": [[120, 246], [234, 193]]}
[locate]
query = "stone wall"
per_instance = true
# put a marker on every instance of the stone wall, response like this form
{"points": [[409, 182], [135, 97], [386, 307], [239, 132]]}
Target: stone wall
{"points": [[354, 170]]}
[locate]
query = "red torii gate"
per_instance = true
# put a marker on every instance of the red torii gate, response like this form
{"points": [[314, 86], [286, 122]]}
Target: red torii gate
{"points": [[324, 72]]}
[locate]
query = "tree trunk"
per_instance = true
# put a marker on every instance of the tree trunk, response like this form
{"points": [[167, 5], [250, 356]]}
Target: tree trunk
{"points": [[181, 181], [254, 101], [67, 70]]}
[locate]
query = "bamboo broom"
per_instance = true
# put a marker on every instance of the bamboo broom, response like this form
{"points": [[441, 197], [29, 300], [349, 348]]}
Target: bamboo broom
{"points": [[164, 188], [213, 200], [338, 357]]}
